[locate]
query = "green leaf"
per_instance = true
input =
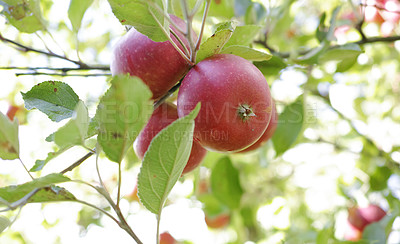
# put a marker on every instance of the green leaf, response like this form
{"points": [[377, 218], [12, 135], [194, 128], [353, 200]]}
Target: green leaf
{"points": [[47, 192], [9, 143], [346, 64], [271, 67], [122, 113], [211, 205], [75, 131], [137, 13], [243, 35], [54, 98], [76, 10], [375, 233], [222, 8], [247, 53], [322, 29], [348, 51], [312, 57], [92, 130], [325, 235], [4, 223], [225, 183], [290, 123], [216, 42], [26, 16], [255, 13], [164, 161], [39, 164]]}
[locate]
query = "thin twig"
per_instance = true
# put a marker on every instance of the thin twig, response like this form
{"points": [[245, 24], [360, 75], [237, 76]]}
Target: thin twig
{"points": [[168, 94], [382, 153], [360, 42], [77, 163], [170, 39], [99, 175], [99, 209], [203, 23], [119, 183], [62, 69], [378, 39], [26, 169], [62, 74], [188, 34], [379, 7], [196, 7], [25, 48], [180, 41]]}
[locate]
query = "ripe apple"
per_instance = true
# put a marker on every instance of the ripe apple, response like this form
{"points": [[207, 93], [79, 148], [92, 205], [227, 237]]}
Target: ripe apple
{"points": [[269, 132], [235, 102], [166, 238], [361, 217], [158, 64], [217, 222], [162, 116]]}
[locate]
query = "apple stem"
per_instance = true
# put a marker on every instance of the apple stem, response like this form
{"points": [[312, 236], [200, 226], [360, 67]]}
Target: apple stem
{"points": [[165, 16], [245, 112], [180, 42], [203, 23], [170, 39], [188, 34]]}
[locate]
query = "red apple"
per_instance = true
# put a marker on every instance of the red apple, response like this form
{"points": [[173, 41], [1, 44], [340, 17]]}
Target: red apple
{"points": [[235, 102], [158, 64], [164, 115], [166, 238], [217, 222], [269, 132], [361, 217]]}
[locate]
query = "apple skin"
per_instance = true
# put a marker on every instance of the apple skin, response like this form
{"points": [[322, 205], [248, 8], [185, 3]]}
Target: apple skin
{"points": [[223, 83], [217, 222], [158, 64], [162, 116], [166, 238], [361, 217], [269, 132]]}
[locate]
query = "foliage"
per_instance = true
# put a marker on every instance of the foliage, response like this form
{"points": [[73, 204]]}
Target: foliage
{"points": [[334, 76]]}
